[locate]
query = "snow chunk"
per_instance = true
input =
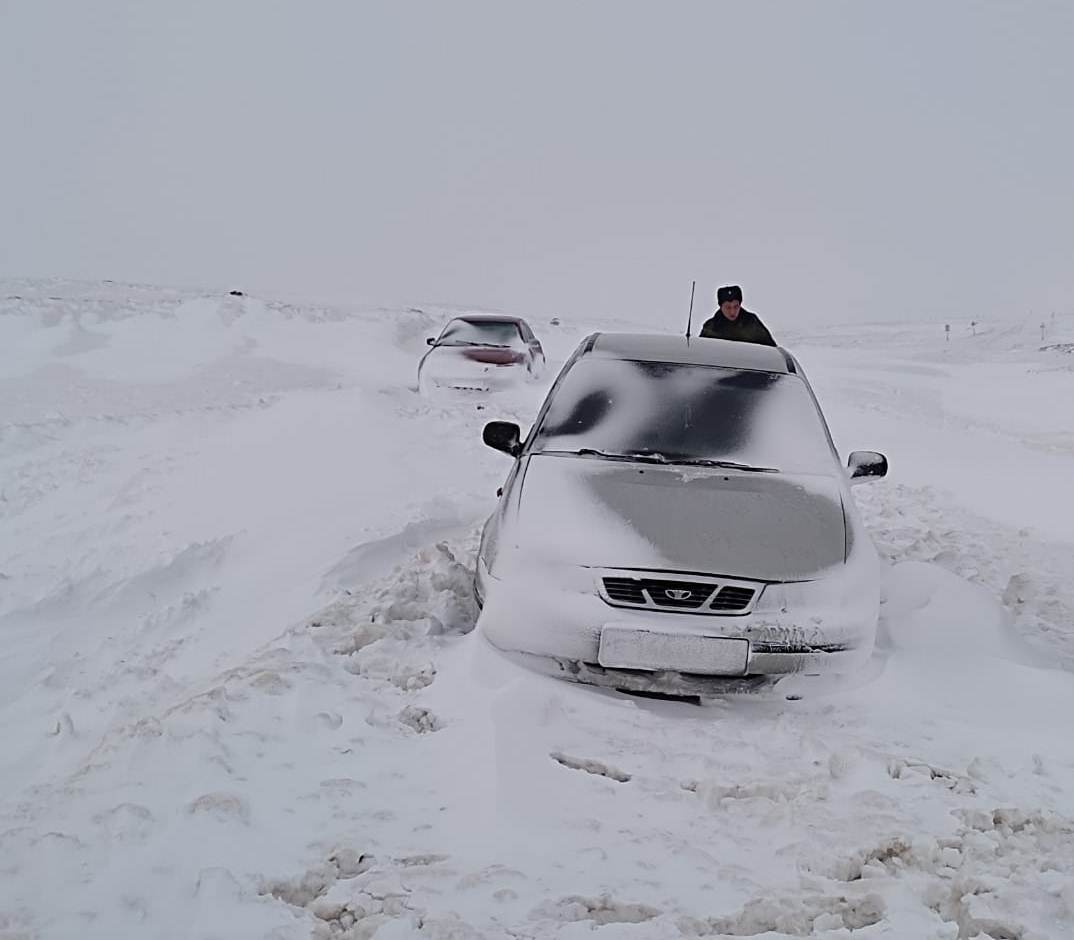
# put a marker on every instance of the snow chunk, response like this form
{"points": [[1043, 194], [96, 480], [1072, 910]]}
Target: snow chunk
{"points": [[601, 910], [798, 916], [595, 767], [420, 719]]}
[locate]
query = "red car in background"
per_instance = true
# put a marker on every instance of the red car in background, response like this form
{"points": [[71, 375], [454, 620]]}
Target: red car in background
{"points": [[481, 353]]}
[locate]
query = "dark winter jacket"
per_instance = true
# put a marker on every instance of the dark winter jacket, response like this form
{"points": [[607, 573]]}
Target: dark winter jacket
{"points": [[746, 328]]}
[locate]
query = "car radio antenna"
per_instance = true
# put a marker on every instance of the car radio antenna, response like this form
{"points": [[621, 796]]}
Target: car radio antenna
{"points": [[690, 315]]}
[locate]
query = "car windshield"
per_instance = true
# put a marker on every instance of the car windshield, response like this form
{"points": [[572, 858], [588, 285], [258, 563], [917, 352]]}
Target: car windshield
{"points": [[488, 333], [674, 413]]}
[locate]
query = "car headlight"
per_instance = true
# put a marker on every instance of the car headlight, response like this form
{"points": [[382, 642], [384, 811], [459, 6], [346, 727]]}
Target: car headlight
{"points": [[785, 597], [526, 568], [845, 594]]}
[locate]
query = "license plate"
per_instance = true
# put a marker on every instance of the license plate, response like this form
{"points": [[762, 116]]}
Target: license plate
{"points": [[631, 648]]}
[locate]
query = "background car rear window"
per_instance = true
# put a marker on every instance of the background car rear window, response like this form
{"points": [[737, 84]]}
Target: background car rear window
{"points": [[464, 333]]}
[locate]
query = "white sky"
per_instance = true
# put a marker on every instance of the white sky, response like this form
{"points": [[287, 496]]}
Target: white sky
{"points": [[840, 160]]}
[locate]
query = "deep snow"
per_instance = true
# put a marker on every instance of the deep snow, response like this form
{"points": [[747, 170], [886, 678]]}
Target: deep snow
{"points": [[239, 695]]}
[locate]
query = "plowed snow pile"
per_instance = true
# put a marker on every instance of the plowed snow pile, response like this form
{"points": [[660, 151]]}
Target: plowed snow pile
{"points": [[240, 696]]}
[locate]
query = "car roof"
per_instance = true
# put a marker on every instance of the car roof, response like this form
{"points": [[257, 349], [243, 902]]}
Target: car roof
{"points": [[664, 347], [488, 318]]}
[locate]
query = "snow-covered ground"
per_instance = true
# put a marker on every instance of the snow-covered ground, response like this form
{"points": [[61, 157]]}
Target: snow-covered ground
{"points": [[240, 698]]}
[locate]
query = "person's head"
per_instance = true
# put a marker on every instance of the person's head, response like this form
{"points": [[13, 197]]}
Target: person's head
{"points": [[730, 301]]}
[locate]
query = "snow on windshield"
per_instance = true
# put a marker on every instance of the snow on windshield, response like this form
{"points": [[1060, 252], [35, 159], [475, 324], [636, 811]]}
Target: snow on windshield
{"points": [[491, 333], [687, 411]]}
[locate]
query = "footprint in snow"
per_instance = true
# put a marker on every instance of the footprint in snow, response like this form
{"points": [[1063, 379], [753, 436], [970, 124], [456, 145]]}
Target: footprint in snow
{"points": [[271, 683], [489, 876], [127, 822], [342, 785], [330, 720], [222, 806]]}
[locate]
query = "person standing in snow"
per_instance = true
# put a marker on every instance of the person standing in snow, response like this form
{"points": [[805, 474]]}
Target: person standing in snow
{"points": [[733, 321]]}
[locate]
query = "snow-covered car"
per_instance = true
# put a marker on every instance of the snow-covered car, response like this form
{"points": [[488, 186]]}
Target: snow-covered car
{"points": [[678, 520], [481, 353]]}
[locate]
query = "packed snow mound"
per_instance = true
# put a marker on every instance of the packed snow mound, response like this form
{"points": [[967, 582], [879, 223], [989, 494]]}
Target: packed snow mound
{"points": [[935, 613]]}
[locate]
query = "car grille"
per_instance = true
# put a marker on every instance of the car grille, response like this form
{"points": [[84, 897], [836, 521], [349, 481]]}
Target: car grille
{"points": [[732, 598], [624, 591], [665, 594]]}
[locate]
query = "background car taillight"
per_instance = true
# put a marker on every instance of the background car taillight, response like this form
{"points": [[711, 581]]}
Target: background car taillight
{"points": [[496, 357]]}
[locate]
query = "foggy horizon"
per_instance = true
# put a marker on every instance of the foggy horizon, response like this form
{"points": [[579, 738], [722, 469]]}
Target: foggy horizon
{"points": [[841, 162]]}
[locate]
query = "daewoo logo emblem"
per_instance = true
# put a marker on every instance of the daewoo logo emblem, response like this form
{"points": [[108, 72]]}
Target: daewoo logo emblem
{"points": [[677, 594]]}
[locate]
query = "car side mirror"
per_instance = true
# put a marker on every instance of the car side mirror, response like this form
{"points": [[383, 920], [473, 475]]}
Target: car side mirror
{"points": [[503, 436], [430, 341], [866, 465]]}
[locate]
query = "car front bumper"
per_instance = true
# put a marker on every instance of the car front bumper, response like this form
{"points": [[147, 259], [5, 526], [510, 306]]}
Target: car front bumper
{"points": [[562, 625]]}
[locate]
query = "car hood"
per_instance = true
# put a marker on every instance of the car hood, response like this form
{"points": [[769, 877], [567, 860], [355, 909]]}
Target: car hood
{"points": [[765, 526]]}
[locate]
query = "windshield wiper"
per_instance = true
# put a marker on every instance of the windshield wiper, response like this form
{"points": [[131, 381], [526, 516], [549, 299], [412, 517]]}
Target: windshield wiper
{"points": [[630, 455], [609, 455], [687, 460], [722, 464], [665, 460]]}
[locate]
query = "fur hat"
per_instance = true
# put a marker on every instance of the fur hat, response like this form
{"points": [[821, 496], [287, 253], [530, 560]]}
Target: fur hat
{"points": [[733, 292]]}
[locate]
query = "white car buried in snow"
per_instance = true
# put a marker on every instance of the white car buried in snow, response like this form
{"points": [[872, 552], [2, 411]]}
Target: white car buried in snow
{"points": [[678, 521], [480, 353]]}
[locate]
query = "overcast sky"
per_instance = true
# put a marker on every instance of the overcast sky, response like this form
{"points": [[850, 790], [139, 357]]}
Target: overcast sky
{"points": [[840, 160]]}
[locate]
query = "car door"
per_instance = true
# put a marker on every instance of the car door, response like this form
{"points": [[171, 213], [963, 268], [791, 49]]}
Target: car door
{"points": [[536, 351]]}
